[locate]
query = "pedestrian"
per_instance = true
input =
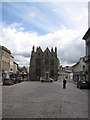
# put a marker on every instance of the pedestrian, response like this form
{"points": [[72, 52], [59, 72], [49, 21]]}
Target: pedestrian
{"points": [[64, 84]]}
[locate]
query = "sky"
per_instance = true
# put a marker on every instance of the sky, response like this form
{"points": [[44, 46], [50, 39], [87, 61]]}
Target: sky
{"points": [[46, 24]]}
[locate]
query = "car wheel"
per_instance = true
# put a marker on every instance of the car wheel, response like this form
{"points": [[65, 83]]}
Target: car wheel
{"points": [[12, 83]]}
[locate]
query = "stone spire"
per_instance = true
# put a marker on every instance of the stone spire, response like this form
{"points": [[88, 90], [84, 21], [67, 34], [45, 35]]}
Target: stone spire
{"points": [[36, 48], [33, 50], [56, 51], [52, 49]]}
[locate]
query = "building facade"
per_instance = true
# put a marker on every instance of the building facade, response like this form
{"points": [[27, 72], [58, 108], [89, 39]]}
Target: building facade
{"points": [[66, 73], [5, 60], [87, 39], [15, 68], [7, 64], [79, 70], [0, 63], [42, 62], [11, 63]]}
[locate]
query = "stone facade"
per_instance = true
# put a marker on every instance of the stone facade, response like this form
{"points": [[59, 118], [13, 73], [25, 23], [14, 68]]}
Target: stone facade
{"points": [[15, 68], [87, 38], [79, 69], [5, 60], [11, 63], [0, 63], [42, 62]]}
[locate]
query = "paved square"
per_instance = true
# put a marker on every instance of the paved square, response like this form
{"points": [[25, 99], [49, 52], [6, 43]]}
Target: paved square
{"points": [[44, 100]]}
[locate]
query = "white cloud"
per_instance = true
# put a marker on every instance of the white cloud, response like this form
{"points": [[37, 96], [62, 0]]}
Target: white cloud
{"points": [[15, 24], [69, 43], [45, 1], [49, 16], [54, 10], [81, 15], [21, 28], [32, 15]]}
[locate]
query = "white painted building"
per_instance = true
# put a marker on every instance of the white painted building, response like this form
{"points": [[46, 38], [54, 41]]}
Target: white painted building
{"points": [[79, 69], [66, 73], [11, 62]]}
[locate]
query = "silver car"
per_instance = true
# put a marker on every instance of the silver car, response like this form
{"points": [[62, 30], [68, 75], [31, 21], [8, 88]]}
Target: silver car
{"points": [[42, 79]]}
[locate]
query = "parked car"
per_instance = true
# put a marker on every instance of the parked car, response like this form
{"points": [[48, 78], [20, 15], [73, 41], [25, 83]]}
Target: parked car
{"points": [[51, 80], [14, 79], [21, 79], [82, 84], [18, 79], [8, 81], [42, 79]]}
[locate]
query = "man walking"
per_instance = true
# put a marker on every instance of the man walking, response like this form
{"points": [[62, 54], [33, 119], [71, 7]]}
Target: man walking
{"points": [[64, 84]]}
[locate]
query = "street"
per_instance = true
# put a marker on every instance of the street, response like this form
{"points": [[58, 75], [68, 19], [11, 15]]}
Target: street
{"points": [[44, 100]]}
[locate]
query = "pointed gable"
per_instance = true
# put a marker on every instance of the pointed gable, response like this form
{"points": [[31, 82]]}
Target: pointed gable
{"points": [[47, 52], [39, 51]]}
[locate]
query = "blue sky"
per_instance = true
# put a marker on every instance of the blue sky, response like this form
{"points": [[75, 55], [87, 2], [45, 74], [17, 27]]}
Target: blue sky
{"points": [[45, 24], [42, 17]]}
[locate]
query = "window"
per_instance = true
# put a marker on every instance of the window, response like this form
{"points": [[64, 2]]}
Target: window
{"points": [[46, 61], [83, 67], [46, 67], [38, 54], [38, 61], [52, 62], [38, 72]]}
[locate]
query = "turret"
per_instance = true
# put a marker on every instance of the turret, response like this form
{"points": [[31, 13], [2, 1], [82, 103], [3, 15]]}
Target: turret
{"points": [[56, 51], [33, 50], [37, 49], [52, 49]]}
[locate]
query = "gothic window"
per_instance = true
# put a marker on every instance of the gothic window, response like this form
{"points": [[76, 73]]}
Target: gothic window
{"points": [[52, 62], [38, 54], [38, 61], [46, 61], [46, 67], [38, 72]]}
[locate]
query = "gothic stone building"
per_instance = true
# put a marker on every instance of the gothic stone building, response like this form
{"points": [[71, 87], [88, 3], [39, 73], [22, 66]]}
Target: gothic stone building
{"points": [[42, 62]]}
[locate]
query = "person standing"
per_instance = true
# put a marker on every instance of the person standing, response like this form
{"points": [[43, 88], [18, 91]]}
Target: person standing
{"points": [[64, 84], [11, 74]]}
